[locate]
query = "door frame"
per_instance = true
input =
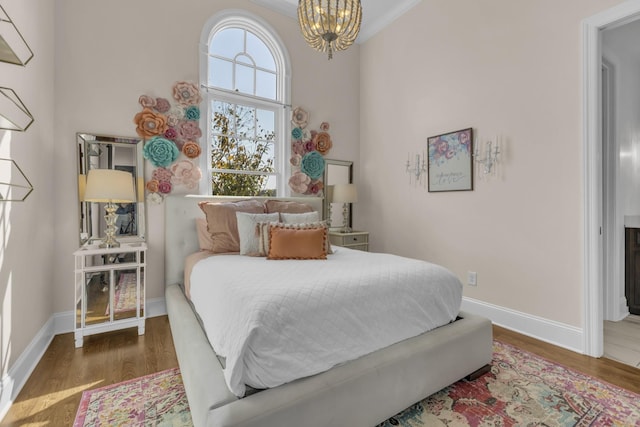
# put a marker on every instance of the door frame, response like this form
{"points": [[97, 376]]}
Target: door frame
{"points": [[593, 340]]}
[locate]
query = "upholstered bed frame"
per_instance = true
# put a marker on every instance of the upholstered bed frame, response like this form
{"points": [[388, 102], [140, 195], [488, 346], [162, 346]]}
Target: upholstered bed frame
{"points": [[363, 392]]}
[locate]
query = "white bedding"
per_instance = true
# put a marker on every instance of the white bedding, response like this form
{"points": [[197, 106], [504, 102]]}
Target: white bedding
{"points": [[276, 321]]}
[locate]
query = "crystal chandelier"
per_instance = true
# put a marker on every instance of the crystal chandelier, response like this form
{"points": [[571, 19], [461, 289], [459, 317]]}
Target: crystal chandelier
{"points": [[329, 25]]}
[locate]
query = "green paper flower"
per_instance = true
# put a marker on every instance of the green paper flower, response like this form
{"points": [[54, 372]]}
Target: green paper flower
{"points": [[296, 134], [312, 164], [160, 152], [192, 113]]}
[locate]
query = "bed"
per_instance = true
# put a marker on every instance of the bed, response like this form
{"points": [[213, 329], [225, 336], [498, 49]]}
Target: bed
{"points": [[360, 392]]}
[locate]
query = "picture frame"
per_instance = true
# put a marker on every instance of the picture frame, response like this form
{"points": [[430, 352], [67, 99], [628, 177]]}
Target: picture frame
{"points": [[450, 165]]}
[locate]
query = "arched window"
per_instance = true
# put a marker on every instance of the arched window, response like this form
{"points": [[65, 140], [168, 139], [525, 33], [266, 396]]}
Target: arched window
{"points": [[246, 80]]}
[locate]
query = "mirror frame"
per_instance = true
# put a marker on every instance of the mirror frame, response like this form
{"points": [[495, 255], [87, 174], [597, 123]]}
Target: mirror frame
{"points": [[325, 201], [84, 142]]}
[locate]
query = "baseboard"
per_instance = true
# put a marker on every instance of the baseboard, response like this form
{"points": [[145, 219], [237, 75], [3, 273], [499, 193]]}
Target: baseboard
{"points": [[59, 323], [21, 369], [556, 333]]}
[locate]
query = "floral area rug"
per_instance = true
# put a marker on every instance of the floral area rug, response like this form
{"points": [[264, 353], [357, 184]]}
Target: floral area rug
{"points": [[153, 400], [523, 389], [124, 298]]}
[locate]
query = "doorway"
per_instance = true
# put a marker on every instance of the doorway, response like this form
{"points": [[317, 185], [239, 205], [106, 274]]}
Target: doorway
{"points": [[601, 260]]}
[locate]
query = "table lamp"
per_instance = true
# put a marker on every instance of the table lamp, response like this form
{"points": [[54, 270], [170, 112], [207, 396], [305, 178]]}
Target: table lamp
{"points": [[109, 186], [345, 194]]}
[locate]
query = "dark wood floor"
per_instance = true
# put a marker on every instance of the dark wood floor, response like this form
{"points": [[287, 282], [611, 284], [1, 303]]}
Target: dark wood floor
{"points": [[52, 394]]}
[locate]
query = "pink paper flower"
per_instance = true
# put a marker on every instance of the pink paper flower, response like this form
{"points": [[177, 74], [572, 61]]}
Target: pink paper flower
{"points": [[164, 187], [162, 105], [300, 117], [295, 160], [189, 130], [171, 133], [315, 187], [309, 146], [324, 126], [297, 147], [146, 101], [161, 175], [186, 174], [299, 182], [186, 93], [174, 116]]}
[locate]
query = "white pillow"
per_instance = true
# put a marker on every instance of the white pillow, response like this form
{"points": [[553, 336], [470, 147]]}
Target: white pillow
{"points": [[248, 230], [299, 218]]}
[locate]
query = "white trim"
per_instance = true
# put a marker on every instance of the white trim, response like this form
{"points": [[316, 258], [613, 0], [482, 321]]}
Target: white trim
{"points": [[59, 323], [614, 301], [593, 341], [556, 333]]}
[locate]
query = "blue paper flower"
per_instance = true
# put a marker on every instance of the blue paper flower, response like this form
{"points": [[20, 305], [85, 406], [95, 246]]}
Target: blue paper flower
{"points": [[312, 164], [192, 112], [160, 152], [296, 134]]}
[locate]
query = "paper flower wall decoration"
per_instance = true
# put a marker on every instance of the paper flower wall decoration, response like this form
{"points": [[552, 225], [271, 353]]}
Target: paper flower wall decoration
{"points": [[308, 149], [171, 136]]}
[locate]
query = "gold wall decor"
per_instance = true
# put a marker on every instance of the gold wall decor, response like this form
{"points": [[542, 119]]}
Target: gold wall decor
{"points": [[13, 48], [14, 184], [14, 115]]}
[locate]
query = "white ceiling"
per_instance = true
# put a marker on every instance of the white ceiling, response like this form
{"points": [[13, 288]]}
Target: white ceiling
{"points": [[376, 14]]}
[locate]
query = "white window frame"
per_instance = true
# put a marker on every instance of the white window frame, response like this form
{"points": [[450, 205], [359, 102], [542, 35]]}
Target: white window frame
{"points": [[236, 18]]}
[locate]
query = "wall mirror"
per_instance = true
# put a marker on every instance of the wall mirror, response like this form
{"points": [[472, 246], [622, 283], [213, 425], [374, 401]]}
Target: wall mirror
{"points": [[111, 152], [336, 172]]}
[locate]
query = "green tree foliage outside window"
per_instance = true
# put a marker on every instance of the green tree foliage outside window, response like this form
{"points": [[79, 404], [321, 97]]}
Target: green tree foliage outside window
{"points": [[242, 153]]}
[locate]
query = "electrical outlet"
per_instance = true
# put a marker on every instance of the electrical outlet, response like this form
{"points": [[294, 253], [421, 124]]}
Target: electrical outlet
{"points": [[472, 278]]}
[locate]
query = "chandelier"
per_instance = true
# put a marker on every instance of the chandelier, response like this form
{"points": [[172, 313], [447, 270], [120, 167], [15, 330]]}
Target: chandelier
{"points": [[329, 25]]}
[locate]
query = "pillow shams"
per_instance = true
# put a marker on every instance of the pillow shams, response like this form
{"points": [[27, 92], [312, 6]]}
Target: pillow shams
{"points": [[204, 238], [223, 225], [249, 232], [299, 218], [286, 206]]}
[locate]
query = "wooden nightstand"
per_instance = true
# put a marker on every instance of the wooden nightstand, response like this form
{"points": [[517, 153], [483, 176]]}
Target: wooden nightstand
{"points": [[353, 240], [109, 289]]}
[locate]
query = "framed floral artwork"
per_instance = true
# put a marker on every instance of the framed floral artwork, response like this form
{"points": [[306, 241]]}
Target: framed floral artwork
{"points": [[450, 163]]}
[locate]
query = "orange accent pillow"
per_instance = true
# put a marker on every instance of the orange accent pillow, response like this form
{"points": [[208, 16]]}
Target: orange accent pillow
{"points": [[222, 223], [292, 243], [287, 206]]}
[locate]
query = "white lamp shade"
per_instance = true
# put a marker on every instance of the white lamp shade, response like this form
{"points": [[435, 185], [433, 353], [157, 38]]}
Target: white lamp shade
{"points": [[109, 186], [345, 193]]}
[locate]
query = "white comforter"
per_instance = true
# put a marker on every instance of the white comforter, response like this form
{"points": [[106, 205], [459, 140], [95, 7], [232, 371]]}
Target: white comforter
{"points": [[276, 321]]}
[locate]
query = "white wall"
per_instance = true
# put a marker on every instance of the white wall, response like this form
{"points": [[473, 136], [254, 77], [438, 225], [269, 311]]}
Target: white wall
{"points": [[108, 53], [501, 67], [26, 228]]}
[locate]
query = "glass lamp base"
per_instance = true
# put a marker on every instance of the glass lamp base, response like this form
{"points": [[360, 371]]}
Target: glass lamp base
{"points": [[110, 218]]}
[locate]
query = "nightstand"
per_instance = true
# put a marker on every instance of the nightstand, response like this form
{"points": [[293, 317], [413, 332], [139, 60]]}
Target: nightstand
{"points": [[109, 289], [353, 240]]}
